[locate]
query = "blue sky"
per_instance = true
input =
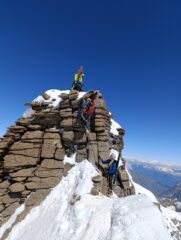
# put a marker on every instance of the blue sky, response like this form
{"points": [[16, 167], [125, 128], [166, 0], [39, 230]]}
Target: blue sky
{"points": [[130, 50]]}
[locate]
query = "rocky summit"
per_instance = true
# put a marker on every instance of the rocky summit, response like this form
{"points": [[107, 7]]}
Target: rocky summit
{"points": [[32, 151]]}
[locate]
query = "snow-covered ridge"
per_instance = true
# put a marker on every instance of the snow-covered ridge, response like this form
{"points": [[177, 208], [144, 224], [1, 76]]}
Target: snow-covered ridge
{"points": [[54, 100], [90, 217]]}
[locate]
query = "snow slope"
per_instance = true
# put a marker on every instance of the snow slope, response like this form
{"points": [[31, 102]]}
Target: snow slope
{"points": [[90, 217]]}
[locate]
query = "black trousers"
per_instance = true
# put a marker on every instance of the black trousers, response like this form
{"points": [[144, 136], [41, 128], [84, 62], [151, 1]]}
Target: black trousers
{"points": [[111, 179]]}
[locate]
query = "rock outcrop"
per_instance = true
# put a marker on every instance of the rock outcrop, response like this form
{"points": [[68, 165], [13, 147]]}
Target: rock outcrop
{"points": [[32, 151]]}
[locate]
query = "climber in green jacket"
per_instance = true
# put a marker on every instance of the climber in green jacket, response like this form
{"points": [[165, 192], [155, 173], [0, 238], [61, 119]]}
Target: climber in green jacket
{"points": [[78, 80]]}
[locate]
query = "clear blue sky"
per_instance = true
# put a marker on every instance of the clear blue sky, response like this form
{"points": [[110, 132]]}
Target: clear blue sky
{"points": [[130, 50]]}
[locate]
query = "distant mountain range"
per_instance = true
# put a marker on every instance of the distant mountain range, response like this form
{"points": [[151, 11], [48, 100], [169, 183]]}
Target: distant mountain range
{"points": [[163, 180]]}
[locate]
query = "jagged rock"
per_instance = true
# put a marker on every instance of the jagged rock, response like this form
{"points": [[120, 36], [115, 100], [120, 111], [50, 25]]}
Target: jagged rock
{"points": [[42, 183], [17, 187], [28, 172], [35, 152], [37, 197], [50, 164], [11, 161], [73, 95], [10, 209]]}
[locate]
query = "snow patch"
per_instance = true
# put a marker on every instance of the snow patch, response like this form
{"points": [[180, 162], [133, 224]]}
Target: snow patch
{"points": [[114, 127]]}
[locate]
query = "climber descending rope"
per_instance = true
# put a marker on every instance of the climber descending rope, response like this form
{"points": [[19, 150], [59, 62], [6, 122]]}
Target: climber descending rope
{"points": [[86, 111]]}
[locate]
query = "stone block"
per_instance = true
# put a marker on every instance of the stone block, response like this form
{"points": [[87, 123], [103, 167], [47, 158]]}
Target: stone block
{"points": [[21, 146], [43, 183], [32, 135], [4, 185], [49, 173], [51, 164], [35, 152], [48, 151], [12, 161], [28, 172], [48, 135], [17, 187], [68, 136], [60, 154]]}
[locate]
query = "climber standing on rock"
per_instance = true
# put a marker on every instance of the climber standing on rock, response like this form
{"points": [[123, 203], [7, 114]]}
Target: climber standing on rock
{"points": [[111, 170], [78, 80]]}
